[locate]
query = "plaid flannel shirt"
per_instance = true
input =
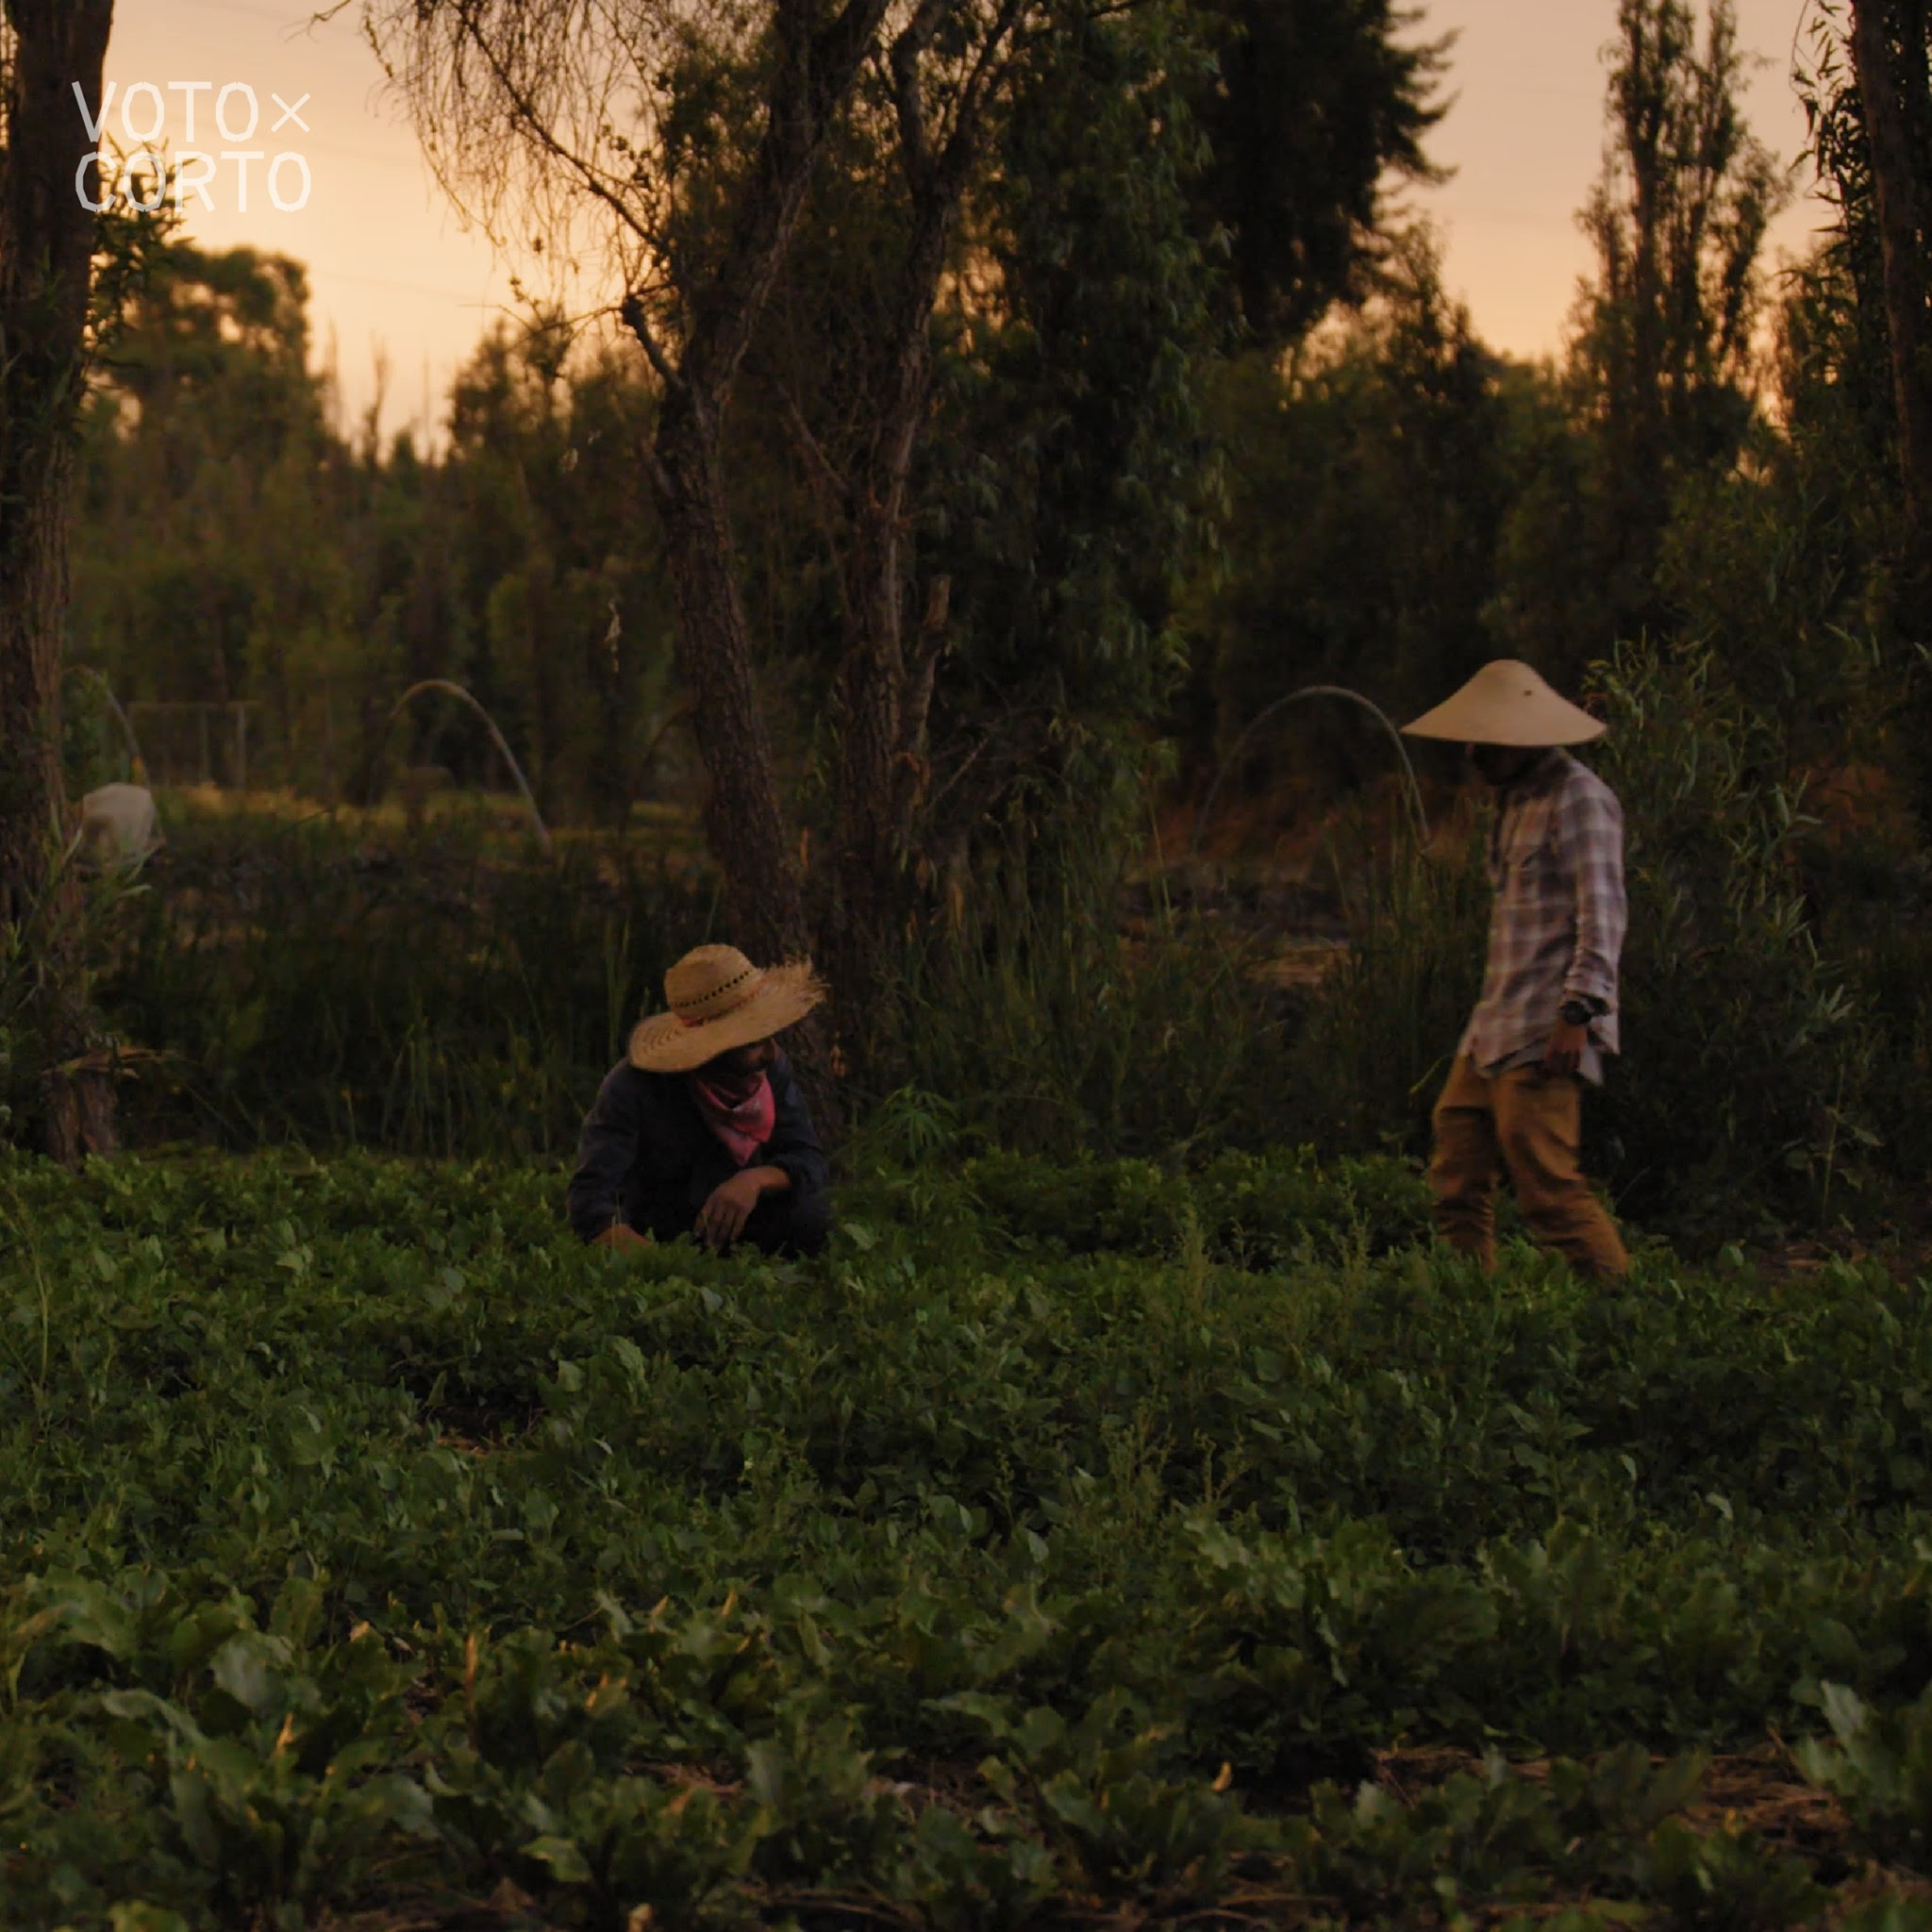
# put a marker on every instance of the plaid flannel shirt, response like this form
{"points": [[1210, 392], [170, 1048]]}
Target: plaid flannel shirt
{"points": [[1557, 925]]}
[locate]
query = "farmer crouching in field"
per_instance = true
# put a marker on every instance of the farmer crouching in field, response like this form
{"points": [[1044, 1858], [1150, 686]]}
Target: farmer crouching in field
{"points": [[702, 1131], [1548, 1011]]}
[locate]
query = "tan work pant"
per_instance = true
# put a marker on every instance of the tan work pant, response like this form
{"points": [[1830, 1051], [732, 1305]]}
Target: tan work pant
{"points": [[1526, 1124]]}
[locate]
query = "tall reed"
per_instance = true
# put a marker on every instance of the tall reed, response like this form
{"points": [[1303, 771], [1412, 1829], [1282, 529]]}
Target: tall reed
{"points": [[1377, 1039], [440, 1000], [1047, 1027]]}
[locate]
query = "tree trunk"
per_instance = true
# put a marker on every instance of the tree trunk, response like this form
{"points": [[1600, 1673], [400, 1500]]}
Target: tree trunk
{"points": [[881, 722], [46, 247], [1893, 98], [883, 698], [745, 824]]}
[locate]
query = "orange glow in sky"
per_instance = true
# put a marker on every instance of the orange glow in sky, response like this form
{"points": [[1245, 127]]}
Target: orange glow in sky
{"points": [[396, 279]]}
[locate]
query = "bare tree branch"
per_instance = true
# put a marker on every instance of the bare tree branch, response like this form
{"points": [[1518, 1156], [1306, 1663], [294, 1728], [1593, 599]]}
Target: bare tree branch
{"points": [[987, 69], [823, 474], [914, 144], [926, 661], [652, 465], [631, 310]]}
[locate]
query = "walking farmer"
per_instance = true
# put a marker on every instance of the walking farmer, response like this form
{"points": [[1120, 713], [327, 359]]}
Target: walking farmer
{"points": [[1547, 1016]]}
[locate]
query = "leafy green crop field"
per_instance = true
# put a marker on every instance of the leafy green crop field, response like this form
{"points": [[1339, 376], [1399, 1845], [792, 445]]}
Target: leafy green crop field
{"points": [[1071, 1546]]}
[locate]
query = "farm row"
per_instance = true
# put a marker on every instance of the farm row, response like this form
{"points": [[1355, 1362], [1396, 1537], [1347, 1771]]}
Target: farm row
{"points": [[1072, 1542]]}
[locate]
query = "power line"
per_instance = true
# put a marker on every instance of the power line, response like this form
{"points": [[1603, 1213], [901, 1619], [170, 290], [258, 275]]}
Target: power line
{"points": [[317, 273], [280, 17]]}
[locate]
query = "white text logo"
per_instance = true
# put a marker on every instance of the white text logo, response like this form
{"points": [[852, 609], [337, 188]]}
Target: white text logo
{"points": [[233, 171]]}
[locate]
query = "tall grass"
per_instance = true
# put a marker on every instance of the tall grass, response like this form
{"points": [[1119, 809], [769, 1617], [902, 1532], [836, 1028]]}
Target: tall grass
{"points": [[67, 917], [303, 983], [1048, 1028], [1377, 1039], [1892, 975], [434, 1000]]}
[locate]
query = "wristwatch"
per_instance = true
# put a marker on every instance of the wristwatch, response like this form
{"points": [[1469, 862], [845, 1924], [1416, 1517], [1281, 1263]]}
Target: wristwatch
{"points": [[1578, 1012]]}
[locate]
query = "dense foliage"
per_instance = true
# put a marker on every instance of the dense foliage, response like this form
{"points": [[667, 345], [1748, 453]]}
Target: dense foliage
{"points": [[236, 545], [1069, 1538], [1153, 533], [1130, 1518]]}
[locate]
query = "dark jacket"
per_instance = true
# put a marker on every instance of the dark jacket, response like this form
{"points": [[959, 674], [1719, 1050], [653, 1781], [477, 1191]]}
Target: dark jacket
{"points": [[648, 1159]]}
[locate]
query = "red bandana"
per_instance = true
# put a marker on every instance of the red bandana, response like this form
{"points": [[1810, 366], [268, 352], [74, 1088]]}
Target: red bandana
{"points": [[742, 1117]]}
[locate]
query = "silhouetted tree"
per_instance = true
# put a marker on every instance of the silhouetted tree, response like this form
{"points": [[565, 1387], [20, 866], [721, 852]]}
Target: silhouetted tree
{"points": [[1308, 109], [48, 50], [1663, 363], [1889, 54], [796, 122]]}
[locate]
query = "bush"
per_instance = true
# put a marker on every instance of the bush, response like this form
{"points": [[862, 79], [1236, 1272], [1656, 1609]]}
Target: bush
{"points": [[1746, 1083]]}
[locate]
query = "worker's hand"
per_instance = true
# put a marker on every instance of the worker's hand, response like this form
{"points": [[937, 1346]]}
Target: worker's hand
{"points": [[722, 1219], [624, 1239], [1564, 1053]]}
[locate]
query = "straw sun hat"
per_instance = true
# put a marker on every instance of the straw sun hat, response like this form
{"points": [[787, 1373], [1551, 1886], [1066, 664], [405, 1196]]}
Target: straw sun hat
{"points": [[719, 1000], [1507, 702]]}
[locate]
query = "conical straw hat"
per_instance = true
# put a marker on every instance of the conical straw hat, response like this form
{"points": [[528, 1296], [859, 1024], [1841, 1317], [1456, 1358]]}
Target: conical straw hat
{"points": [[1507, 702], [719, 1000]]}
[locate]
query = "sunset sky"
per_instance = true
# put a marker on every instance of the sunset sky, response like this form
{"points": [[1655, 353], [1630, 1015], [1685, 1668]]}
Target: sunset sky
{"points": [[395, 275]]}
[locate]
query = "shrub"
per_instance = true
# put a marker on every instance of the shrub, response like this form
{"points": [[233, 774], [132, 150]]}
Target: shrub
{"points": [[1748, 1060]]}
